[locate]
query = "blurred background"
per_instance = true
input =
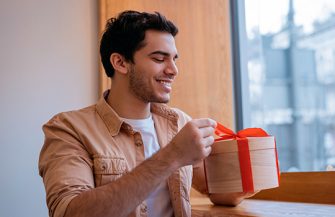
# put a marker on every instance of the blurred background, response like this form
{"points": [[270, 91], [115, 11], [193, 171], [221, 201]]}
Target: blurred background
{"points": [[281, 77], [48, 64], [290, 49]]}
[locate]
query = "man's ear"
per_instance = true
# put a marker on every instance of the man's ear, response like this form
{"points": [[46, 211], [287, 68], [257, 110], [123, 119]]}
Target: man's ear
{"points": [[119, 63]]}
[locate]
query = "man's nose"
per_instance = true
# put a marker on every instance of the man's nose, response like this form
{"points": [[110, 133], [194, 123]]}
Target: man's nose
{"points": [[171, 68]]}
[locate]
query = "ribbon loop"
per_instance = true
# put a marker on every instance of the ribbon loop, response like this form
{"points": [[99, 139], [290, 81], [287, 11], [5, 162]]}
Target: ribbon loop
{"points": [[225, 133]]}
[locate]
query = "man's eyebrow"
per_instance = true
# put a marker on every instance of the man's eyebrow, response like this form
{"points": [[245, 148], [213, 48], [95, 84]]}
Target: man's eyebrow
{"points": [[163, 53]]}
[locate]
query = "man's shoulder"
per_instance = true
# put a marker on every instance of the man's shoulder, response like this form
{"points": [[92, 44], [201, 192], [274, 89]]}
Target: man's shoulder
{"points": [[73, 116]]}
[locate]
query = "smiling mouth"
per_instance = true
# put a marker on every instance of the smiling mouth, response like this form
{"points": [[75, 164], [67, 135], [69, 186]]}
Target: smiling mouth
{"points": [[166, 83]]}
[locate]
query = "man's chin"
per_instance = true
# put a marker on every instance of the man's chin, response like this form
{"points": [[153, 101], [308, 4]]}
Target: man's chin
{"points": [[162, 100]]}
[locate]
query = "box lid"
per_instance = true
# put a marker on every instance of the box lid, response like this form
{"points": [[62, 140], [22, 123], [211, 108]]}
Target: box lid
{"points": [[255, 143]]}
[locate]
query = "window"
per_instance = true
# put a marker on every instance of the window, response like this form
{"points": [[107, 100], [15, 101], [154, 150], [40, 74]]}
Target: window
{"points": [[284, 57]]}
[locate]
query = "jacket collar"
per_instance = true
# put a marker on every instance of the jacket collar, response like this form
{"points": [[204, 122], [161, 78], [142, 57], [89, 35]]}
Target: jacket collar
{"points": [[114, 123]]}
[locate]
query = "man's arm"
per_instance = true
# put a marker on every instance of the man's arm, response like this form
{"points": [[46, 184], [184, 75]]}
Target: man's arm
{"points": [[120, 197]]}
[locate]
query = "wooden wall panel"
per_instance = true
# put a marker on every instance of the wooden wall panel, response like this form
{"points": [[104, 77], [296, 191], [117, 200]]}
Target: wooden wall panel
{"points": [[308, 187], [203, 87]]}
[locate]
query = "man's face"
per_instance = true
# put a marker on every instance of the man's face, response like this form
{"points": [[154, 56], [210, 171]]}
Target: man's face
{"points": [[154, 68]]}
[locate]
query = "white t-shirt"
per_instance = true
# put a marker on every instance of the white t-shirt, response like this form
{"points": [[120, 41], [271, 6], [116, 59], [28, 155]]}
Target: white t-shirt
{"points": [[158, 202]]}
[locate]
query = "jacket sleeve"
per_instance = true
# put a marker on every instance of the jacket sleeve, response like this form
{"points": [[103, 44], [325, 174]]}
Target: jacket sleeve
{"points": [[64, 165]]}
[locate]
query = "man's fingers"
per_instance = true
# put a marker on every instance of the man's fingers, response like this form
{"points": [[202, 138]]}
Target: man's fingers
{"points": [[208, 150], [205, 122], [207, 131], [208, 141]]}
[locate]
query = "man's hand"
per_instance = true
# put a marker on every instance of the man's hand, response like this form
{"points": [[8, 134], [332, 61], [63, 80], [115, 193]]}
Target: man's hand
{"points": [[120, 197], [230, 199], [193, 142]]}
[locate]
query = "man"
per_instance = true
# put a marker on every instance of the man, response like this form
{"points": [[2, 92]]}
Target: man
{"points": [[130, 154]]}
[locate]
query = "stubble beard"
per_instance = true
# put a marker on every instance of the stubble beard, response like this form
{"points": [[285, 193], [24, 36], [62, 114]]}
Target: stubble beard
{"points": [[141, 89]]}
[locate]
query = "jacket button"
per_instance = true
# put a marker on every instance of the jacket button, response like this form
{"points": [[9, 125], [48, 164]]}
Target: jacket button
{"points": [[144, 208]]}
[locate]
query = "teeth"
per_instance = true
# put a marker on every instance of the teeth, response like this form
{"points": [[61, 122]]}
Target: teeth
{"points": [[165, 83]]}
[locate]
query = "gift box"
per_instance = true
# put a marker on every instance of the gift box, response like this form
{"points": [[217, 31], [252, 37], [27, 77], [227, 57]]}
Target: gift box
{"points": [[243, 162]]}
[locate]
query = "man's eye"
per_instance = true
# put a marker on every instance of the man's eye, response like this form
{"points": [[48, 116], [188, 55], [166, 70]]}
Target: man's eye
{"points": [[158, 60]]}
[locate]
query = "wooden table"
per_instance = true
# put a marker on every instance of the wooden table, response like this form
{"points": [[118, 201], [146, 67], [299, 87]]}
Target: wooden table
{"points": [[202, 207]]}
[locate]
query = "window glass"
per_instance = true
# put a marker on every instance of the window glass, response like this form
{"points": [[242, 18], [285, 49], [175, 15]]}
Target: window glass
{"points": [[291, 78]]}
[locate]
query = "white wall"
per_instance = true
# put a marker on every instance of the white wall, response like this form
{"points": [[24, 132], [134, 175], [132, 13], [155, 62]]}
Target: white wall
{"points": [[48, 64]]}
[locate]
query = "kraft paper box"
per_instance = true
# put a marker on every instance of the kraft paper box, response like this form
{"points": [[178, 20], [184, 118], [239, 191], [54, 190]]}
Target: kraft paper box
{"points": [[242, 165]]}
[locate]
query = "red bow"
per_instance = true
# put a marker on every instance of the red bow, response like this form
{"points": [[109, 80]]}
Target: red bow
{"points": [[226, 133]]}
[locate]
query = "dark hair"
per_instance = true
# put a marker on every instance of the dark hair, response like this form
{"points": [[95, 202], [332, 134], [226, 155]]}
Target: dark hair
{"points": [[125, 35]]}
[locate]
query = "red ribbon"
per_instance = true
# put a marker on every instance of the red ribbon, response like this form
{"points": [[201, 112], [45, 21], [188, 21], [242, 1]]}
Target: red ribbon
{"points": [[243, 151], [226, 133]]}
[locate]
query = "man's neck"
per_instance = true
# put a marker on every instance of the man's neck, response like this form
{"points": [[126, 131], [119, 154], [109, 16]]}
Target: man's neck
{"points": [[127, 105]]}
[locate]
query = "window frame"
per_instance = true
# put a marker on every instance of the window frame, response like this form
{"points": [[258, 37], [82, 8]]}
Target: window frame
{"points": [[239, 63]]}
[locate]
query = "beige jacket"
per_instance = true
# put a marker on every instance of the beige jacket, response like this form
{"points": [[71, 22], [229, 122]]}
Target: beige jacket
{"points": [[91, 147]]}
